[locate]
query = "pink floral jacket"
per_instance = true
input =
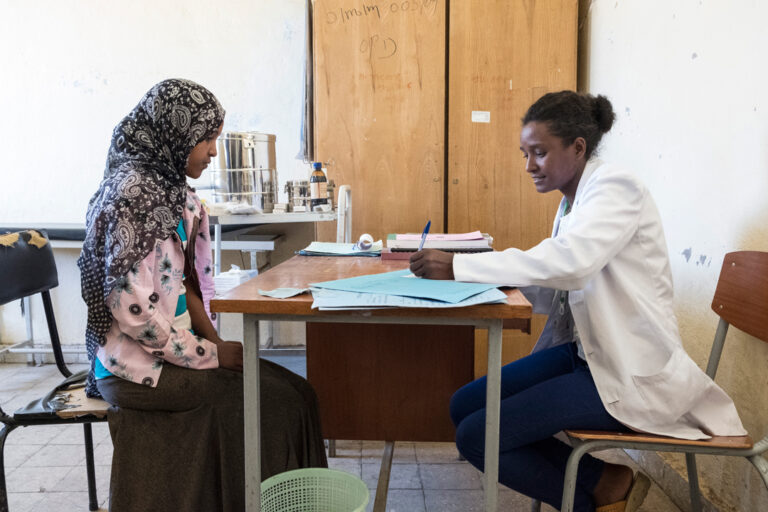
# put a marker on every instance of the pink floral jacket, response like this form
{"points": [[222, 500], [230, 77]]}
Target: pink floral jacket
{"points": [[143, 305]]}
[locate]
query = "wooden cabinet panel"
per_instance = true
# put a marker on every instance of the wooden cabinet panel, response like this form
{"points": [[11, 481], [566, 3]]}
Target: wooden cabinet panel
{"points": [[366, 375], [380, 109], [502, 57]]}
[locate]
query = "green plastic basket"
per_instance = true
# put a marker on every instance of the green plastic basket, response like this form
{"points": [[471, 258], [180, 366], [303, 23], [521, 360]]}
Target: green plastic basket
{"points": [[314, 490]]}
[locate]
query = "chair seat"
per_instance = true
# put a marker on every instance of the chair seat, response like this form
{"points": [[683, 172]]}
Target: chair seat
{"points": [[77, 406], [731, 442], [84, 406]]}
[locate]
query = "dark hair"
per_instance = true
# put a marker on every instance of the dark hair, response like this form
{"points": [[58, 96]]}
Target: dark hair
{"points": [[569, 115]]}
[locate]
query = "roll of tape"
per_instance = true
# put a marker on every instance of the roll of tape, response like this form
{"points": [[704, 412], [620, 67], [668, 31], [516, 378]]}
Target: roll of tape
{"points": [[365, 242]]}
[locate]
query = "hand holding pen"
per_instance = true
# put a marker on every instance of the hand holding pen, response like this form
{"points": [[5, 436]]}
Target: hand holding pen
{"points": [[431, 264]]}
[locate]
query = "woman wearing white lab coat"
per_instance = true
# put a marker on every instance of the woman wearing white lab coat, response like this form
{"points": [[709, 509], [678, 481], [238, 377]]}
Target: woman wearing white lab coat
{"points": [[604, 278]]}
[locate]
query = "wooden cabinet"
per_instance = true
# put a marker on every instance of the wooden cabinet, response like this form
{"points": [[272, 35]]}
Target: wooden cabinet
{"points": [[396, 83], [502, 57], [379, 103]]}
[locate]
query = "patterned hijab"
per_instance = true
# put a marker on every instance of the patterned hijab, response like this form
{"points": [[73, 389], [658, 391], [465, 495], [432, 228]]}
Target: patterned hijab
{"points": [[142, 195]]}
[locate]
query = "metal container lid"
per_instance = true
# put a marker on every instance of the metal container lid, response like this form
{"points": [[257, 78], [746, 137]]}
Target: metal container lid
{"points": [[255, 136], [263, 137]]}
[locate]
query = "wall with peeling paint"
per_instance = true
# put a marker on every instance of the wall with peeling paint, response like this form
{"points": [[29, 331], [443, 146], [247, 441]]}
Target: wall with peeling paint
{"points": [[73, 68], [689, 85]]}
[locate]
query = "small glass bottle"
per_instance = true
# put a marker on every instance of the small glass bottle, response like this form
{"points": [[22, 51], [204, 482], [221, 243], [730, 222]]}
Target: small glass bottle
{"points": [[318, 186]]}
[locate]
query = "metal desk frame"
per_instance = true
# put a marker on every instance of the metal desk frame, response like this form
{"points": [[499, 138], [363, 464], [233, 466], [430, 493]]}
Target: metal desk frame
{"points": [[252, 393]]}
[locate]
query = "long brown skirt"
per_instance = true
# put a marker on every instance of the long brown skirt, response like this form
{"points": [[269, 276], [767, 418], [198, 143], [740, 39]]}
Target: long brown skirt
{"points": [[179, 446]]}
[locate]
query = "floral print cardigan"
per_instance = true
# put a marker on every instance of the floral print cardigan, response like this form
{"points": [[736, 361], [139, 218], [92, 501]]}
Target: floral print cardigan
{"points": [[143, 305]]}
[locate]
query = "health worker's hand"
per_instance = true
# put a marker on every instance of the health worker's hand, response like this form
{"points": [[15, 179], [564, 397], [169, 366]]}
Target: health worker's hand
{"points": [[432, 264]]}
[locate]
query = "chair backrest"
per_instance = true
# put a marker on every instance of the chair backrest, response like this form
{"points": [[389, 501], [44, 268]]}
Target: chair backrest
{"points": [[27, 267], [741, 297]]}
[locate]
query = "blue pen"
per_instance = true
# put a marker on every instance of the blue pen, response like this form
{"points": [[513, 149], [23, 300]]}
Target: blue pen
{"points": [[424, 234]]}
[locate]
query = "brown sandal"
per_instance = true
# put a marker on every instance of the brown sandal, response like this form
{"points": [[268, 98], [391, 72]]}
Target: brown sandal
{"points": [[634, 498]]}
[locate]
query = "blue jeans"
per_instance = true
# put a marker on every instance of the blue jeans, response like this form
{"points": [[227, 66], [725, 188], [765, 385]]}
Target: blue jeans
{"points": [[541, 394]]}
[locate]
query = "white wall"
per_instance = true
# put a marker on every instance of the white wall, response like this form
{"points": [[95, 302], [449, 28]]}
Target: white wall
{"points": [[71, 69], [689, 84]]}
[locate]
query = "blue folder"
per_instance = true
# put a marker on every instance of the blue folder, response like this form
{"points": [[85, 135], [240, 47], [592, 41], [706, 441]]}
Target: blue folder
{"points": [[402, 282]]}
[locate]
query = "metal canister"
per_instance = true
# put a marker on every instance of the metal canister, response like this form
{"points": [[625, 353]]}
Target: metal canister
{"points": [[245, 170]]}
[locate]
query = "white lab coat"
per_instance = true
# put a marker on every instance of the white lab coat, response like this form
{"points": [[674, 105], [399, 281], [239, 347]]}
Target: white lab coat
{"points": [[611, 254]]}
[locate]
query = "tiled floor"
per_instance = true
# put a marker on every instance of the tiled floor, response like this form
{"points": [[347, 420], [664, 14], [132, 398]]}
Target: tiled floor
{"points": [[45, 466]]}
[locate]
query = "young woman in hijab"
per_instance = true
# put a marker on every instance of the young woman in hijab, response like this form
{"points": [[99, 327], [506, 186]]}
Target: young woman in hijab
{"points": [[610, 355], [176, 387]]}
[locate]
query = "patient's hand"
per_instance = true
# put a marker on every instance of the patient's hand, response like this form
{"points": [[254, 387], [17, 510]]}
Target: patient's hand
{"points": [[231, 355], [432, 264]]}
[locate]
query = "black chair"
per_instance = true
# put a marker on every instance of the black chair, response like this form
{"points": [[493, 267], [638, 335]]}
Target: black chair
{"points": [[27, 267]]}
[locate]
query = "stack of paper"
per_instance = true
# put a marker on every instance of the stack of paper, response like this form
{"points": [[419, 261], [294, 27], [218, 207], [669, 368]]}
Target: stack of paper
{"points": [[474, 241], [401, 289], [338, 249], [225, 281]]}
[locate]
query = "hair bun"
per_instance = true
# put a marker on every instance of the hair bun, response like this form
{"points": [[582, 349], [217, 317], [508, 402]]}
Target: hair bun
{"points": [[602, 111]]}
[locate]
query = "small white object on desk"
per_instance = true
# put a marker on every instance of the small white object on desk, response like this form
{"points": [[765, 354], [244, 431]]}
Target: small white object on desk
{"points": [[340, 249], [242, 208], [283, 293], [216, 209], [365, 242], [231, 208], [233, 277]]}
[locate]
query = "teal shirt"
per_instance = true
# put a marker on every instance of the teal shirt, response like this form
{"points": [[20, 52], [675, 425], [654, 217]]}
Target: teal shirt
{"points": [[181, 306]]}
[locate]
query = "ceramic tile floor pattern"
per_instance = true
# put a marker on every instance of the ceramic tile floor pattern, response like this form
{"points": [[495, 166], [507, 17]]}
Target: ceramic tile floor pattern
{"points": [[45, 466]]}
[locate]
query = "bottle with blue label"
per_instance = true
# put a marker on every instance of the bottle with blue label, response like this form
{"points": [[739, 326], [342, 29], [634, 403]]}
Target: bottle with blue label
{"points": [[318, 186]]}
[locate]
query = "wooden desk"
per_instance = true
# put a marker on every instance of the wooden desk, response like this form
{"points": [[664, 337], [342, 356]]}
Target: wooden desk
{"points": [[366, 376], [298, 272]]}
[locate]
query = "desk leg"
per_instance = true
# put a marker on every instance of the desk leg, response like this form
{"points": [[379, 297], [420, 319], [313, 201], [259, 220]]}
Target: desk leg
{"points": [[251, 409], [492, 416]]}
